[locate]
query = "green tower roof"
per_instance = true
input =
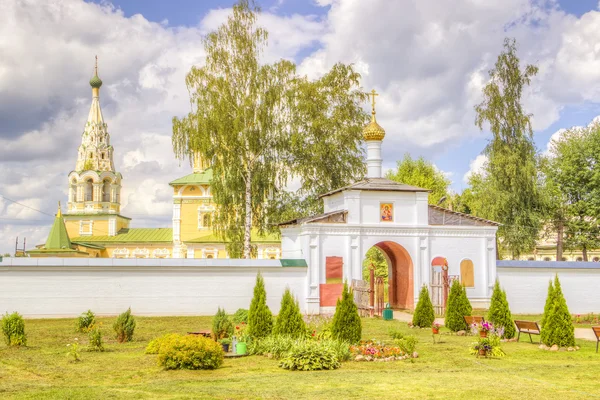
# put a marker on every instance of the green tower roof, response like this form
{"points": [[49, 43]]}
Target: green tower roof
{"points": [[95, 82], [58, 237]]}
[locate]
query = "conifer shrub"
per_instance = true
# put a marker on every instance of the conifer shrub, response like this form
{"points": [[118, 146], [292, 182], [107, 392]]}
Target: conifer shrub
{"points": [[13, 328], [190, 352], [95, 339], [457, 307], [549, 303], [124, 326], [499, 313], [424, 315], [221, 325], [559, 329], [241, 315], [260, 319], [289, 321], [346, 325], [85, 321]]}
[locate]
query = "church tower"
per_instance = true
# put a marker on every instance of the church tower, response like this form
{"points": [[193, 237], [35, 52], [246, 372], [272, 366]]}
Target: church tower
{"points": [[95, 186], [373, 134]]}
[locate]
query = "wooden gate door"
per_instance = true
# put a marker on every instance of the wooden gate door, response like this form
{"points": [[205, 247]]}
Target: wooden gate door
{"points": [[437, 289]]}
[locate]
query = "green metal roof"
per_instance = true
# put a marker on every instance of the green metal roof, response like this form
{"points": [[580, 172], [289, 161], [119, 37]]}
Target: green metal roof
{"points": [[131, 235], [58, 237], [254, 238], [202, 178], [293, 262], [91, 246], [56, 252]]}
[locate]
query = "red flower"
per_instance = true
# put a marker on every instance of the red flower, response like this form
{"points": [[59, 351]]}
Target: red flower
{"points": [[237, 327]]}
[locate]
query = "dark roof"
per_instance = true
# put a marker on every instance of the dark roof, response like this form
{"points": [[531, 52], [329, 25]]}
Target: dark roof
{"points": [[341, 214], [442, 216], [378, 184]]}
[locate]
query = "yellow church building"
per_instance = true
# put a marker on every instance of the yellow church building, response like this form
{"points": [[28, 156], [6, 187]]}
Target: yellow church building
{"points": [[93, 226]]}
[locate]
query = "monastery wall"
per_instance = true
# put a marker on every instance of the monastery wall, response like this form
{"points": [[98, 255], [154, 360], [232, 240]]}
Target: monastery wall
{"points": [[66, 287], [526, 284]]}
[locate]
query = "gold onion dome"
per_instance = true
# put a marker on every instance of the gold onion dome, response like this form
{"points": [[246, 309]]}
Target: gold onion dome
{"points": [[373, 131]]}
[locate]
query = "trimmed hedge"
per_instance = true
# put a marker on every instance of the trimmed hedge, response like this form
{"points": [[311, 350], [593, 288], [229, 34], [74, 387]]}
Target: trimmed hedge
{"points": [[190, 352]]}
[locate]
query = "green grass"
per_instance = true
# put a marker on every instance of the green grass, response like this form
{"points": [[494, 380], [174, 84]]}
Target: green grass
{"points": [[443, 370]]}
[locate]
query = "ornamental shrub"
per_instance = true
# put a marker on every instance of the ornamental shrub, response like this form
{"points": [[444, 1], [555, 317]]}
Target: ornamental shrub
{"points": [[289, 321], [241, 315], [346, 325], [190, 352], [499, 313], [260, 319], [85, 321], [424, 315], [407, 344], [155, 345], [559, 327], [95, 338], [13, 328], [272, 346], [457, 307], [221, 325], [310, 355], [549, 303], [124, 326]]}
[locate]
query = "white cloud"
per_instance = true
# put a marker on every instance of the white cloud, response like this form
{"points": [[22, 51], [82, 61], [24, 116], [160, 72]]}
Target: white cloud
{"points": [[475, 167]]}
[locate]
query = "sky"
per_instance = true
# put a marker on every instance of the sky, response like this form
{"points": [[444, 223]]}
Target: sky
{"points": [[428, 59]]}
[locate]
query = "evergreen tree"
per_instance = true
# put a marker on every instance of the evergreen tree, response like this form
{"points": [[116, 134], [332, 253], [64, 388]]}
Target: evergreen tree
{"points": [[559, 327], [260, 319], [222, 326], [424, 315], [457, 307], [346, 325], [289, 321], [499, 312], [549, 303]]}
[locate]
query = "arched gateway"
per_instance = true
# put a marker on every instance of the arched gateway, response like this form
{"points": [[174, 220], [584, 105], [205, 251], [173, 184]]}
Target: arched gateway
{"points": [[397, 219]]}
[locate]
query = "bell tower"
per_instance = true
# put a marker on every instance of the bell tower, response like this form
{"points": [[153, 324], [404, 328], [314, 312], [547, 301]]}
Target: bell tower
{"points": [[94, 202]]}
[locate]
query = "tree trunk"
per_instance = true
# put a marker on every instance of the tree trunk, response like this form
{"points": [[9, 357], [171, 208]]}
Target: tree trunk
{"points": [[248, 222], [585, 258], [559, 241]]}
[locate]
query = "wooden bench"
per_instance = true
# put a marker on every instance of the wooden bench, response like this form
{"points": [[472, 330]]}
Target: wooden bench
{"points": [[473, 319], [528, 327], [205, 333], [596, 330]]}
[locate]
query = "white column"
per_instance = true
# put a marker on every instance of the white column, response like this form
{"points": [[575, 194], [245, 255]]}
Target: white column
{"points": [[314, 260], [176, 223], [374, 159]]}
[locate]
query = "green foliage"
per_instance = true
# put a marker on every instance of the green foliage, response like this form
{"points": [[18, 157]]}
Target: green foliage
{"points": [[396, 334], [559, 327], [421, 173], [407, 344], [85, 321], [73, 352], [424, 315], [499, 313], [260, 319], [508, 190], [375, 257], [346, 325], [289, 321], [258, 122], [13, 328], [457, 307], [241, 315], [221, 326], [190, 352], [124, 326], [310, 356], [490, 345], [95, 339], [549, 304], [273, 346], [155, 345]]}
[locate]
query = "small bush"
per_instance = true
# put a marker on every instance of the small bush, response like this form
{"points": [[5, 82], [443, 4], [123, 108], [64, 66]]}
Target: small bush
{"points": [[310, 356], [499, 312], [13, 328], [457, 308], [85, 321], [241, 315], [273, 346], [124, 326], [260, 318], [407, 344], [289, 321], [559, 329], [346, 325], [190, 352], [95, 337], [424, 315], [396, 334], [155, 345], [222, 326]]}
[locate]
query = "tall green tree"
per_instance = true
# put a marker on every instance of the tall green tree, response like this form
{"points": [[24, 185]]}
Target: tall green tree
{"points": [[499, 313], [261, 125], [424, 315], [457, 307], [346, 325], [509, 187], [289, 321], [376, 258], [421, 173], [260, 318]]}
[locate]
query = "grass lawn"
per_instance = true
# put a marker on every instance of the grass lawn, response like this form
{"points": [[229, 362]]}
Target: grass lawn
{"points": [[443, 370]]}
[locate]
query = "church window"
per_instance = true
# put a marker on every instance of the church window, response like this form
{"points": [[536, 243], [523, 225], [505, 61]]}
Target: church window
{"points": [[106, 191], [102, 156], [596, 259], [579, 259], [206, 222], [531, 259], [91, 155], [209, 256], [467, 273], [89, 190], [546, 258], [86, 228]]}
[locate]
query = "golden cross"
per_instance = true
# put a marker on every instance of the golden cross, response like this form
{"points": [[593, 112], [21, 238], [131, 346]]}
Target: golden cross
{"points": [[96, 67], [372, 94]]}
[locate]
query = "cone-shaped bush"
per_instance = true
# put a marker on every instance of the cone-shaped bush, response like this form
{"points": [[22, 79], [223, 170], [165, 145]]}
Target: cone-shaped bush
{"points": [[289, 321], [499, 312], [260, 319], [549, 303], [457, 307], [124, 327], [559, 327], [424, 315], [222, 326], [346, 325]]}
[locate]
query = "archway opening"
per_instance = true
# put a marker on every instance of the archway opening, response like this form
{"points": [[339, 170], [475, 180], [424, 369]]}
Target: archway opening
{"points": [[400, 285]]}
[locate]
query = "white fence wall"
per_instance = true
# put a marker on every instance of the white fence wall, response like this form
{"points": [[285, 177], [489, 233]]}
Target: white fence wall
{"points": [[526, 285], [63, 287]]}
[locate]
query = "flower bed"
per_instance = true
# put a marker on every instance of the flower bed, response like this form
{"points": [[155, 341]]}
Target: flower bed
{"points": [[373, 351]]}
